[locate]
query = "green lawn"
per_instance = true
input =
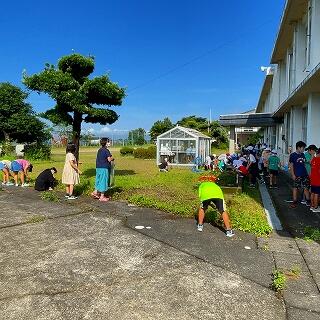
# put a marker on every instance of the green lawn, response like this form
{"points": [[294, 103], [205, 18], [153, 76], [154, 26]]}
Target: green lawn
{"points": [[139, 182]]}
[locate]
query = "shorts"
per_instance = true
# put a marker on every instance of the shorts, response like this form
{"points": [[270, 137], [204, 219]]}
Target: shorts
{"points": [[315, 189], [274, 172], [301, 183], [16, 166], [2, 166], [219, 203]]}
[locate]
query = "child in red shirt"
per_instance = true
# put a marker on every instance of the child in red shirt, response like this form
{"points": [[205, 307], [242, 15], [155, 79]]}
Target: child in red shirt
{"points": [[315, 182]]}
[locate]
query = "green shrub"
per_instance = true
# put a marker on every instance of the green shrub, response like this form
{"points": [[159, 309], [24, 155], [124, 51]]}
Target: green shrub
{"points": [[227, 178], [6, 149], [38, 152], [311, 233], [126, 151], [145, 153]]}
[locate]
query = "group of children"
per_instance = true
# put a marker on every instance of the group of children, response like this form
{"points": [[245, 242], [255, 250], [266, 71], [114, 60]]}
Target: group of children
{"points": [[305, 172], [18, 169], [45, 181]]}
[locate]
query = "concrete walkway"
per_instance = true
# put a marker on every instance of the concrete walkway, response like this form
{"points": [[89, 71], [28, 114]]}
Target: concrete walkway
{"points": [[302, 295], [86, 260]]}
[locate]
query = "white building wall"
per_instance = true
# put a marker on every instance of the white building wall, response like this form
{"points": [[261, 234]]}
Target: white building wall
{"points": [[313, 119], [296, 128], [315, 34], [299, 51], [275, 90]]}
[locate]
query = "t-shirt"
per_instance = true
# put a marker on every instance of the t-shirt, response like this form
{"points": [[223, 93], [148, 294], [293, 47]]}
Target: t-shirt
{"points": [[102, 158], [24, 163], [243, 170], [210, 190], [7, 163], [315, 172], [273, 162], [308, 161], [252, 158], [298, 161]]}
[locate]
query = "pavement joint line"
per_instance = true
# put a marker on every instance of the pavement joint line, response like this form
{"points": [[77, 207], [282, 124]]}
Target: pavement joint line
{"points": [[197, 257], [307, 265], [303, 309]]}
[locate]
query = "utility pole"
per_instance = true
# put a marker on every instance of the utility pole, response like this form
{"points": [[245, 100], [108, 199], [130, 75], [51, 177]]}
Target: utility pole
{"points": [[209, 121]]}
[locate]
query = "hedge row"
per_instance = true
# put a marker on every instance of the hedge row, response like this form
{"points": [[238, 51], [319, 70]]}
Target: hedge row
{"points": [[140, 153]]}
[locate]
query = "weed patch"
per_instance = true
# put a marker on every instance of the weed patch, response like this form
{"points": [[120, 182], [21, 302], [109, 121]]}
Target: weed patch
{"points": [[294, 272], [311, 234], [278, 281], [50, 196], [36, 219]]}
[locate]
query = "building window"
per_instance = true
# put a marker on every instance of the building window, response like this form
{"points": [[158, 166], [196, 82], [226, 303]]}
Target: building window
{"points": [[290, 72], [288, 131], [308, 37], [304, 124]]}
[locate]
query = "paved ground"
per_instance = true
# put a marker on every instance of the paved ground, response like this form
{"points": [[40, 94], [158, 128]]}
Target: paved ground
{"points": [[86, 260], [289, 250]]}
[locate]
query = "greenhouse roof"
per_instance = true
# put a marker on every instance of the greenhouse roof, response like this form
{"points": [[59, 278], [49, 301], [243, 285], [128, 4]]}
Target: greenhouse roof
{"points": [[182, 132]]}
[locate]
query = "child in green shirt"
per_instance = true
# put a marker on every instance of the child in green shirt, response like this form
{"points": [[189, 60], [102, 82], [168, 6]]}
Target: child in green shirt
{"points": [[211, 194], [273, 166]]}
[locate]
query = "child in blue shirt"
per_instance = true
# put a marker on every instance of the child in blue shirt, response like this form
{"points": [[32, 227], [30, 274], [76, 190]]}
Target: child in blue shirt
{"points": [[103, 166], [299, 173]]}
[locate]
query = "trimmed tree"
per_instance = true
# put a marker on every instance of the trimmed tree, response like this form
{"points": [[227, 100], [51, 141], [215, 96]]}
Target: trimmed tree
{"points": [[76, 95], [159, 127], [17, 120]]}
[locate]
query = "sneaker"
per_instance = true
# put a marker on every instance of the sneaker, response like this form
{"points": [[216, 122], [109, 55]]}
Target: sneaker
{"points": [[3, 184], [230, 233], [10, 184], [289, 201], [308, 203], [200, 227], [271, 187], [303, 202], [72, 198], [25, 185], [252, 186], [17, 185], [275, 186], [315, 209], [67, 196]]}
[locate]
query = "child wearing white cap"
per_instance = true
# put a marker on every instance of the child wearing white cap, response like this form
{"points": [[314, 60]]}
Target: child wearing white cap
{"points": [[273, 166]]}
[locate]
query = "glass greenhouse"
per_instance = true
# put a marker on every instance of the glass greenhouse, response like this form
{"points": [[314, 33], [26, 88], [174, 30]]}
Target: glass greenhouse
{"points": [[183, 146]]}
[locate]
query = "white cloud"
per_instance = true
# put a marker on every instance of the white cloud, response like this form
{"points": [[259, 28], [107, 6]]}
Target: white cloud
{"points": [[105, 130], [91, 130]]}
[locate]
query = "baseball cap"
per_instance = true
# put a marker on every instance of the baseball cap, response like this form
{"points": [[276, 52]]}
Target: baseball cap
{"points": [[274, 151], [267, 149]]}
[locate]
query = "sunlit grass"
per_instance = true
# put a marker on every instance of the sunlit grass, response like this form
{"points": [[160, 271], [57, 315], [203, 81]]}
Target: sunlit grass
{"points": [[140, 182]]}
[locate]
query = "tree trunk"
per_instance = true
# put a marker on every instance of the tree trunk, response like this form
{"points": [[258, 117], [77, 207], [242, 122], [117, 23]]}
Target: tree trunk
{"points": [[6, 136], [76, 128]]}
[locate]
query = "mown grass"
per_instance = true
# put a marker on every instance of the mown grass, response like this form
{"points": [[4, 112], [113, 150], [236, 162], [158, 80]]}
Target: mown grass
{"points": [[139, 182]]}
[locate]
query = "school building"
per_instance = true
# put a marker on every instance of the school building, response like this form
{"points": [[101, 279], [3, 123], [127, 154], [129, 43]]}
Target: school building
{"points": [[288, 109]]}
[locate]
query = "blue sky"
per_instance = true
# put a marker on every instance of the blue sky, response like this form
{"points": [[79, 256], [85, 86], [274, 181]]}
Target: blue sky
{"points": [[176, 57]]}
